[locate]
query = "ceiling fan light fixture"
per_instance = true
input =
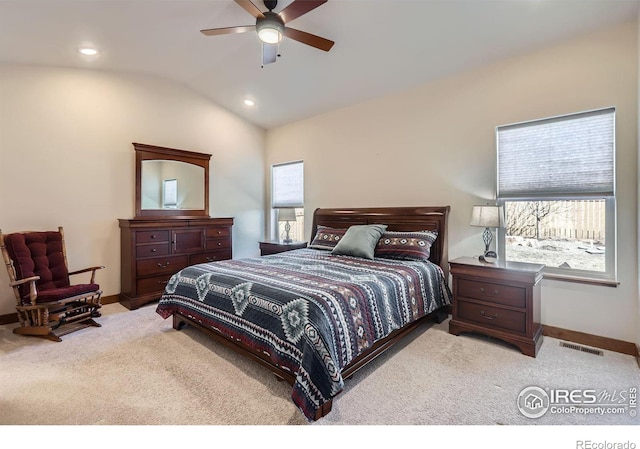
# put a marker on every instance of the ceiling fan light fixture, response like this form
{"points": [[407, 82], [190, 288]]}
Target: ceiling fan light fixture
{"points": [[270, 28]]}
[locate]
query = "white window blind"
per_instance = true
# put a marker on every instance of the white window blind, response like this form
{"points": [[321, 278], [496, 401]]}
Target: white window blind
{"points": [[287, 188], [568, 156]]}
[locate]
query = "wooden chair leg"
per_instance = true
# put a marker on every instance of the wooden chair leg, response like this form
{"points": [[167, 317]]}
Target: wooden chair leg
{"points": [[37, 331], [90, 322]]}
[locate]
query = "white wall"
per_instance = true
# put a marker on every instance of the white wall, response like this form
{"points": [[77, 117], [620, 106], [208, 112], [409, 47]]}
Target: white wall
{"points": [[638, 224], [66, 159], [435, 145]]}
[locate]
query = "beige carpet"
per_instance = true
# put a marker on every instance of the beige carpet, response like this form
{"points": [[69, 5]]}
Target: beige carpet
{"points": [[136, 369]]}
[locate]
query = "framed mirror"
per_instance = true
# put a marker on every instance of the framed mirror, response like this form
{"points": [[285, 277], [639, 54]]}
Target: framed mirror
{"points": [[171, 183]]}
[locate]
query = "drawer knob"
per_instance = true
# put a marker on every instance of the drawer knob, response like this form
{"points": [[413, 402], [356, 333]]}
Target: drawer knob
{"points": [[219, 232], [492, 317], [210, 259], [153, 250], [153, 236], [163, 266], [219, 243], [486, 293]]}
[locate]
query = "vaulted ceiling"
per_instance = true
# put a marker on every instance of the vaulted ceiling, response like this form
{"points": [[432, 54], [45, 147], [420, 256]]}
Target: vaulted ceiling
{"points": [[381, 46]]}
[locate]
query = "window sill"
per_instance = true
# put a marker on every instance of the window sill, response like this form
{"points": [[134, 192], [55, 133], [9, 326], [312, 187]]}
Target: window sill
{"points": [[581, 279]]}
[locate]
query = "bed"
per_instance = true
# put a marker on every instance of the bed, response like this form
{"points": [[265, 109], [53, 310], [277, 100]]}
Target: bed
{"points": [[317, 315]]}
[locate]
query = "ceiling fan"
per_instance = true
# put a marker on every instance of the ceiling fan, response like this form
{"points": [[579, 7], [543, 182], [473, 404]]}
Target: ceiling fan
{"points": [[270, 26]]}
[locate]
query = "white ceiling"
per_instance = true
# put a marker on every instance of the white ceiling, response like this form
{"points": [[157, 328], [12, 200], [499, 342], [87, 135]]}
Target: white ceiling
{"points": [[382, 46]]}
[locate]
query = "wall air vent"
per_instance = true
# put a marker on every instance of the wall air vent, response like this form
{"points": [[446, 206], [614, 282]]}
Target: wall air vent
{"points": [[581, 348]]}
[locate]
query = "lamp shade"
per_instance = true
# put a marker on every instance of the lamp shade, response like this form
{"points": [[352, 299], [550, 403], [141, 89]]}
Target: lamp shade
{"points": [[286, 214], [487, 216]]}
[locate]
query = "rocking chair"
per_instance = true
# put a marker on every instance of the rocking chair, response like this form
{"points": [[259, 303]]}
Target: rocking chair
{"points": [[48, 306]]}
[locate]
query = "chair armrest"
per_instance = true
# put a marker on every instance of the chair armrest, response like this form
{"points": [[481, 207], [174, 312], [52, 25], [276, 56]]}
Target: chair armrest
{"points": [[86, 270], [24, 281], [33, 293]]}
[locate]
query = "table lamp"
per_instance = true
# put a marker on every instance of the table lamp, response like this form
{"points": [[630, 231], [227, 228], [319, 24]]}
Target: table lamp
{"points": [[488, 217], [287, 214]]}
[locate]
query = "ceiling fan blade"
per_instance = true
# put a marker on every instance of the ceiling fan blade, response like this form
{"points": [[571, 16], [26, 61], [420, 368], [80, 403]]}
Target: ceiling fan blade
{"points": [[269, 53], [228, 30], [298, 8], [309, 39], [250, 8]]}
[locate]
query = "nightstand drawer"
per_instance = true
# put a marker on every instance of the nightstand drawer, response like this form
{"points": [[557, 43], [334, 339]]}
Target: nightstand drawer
{"points": [[493, 317], [495, 293]]}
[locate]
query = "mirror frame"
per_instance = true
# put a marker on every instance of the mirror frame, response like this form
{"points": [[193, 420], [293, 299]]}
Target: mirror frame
{"points": [[146, 152]]}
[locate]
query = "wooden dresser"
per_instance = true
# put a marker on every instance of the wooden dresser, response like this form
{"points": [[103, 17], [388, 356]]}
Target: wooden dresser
{"points": [[154, 249], [501, 300]]}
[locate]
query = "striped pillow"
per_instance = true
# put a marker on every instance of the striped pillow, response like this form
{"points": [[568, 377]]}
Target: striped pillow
{"points": [[327, 238], [414, 245]]}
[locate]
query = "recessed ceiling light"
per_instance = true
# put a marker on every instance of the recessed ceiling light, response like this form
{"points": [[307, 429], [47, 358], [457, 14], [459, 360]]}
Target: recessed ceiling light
{"points": [[88, 51], [249, 102]]}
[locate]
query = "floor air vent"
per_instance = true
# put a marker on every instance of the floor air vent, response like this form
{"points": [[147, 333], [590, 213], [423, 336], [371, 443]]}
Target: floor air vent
{"points": [[581, 348]]}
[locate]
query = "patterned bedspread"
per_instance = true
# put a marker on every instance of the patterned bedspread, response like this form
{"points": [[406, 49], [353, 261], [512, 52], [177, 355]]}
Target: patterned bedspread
{"points": [[310, 311]]}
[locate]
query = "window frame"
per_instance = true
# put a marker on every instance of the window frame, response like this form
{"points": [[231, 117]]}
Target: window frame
{"points": [[275, 225], [607, 277]]}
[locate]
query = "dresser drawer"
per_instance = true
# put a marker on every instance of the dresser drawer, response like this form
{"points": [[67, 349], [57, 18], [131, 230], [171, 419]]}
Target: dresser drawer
{"points": [[222, 231], [493, 317], [152, 236], [212, 256], [495, 293], [150, 250], [215, 244], [155, 284], [161, 265]]}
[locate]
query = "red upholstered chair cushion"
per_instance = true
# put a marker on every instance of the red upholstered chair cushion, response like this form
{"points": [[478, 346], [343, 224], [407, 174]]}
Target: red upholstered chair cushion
{"points": [[38, 254], [57, 294]]}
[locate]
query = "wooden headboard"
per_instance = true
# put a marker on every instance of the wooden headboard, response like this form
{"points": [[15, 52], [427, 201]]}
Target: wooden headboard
{"points": [[397, 219]]}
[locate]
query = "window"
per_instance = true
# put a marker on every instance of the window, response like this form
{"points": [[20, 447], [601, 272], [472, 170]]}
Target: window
{"points": [[556, 180], [287, 191], [170, 193]]}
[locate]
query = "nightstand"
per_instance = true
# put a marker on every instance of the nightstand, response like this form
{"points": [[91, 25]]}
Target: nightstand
{"points": [[278, 246], [501, 300]]}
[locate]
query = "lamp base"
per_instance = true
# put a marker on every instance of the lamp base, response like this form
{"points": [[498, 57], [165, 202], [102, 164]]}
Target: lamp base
{"points": [[489, 257], [287, 228]]}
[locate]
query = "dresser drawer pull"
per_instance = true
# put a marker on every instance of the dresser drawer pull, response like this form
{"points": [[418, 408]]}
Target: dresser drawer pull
{"points": [[484, 292], [210, 259], [154, 250], [492, 317], [153, 236], [219, 243], [163, 265], [219, 232]]}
